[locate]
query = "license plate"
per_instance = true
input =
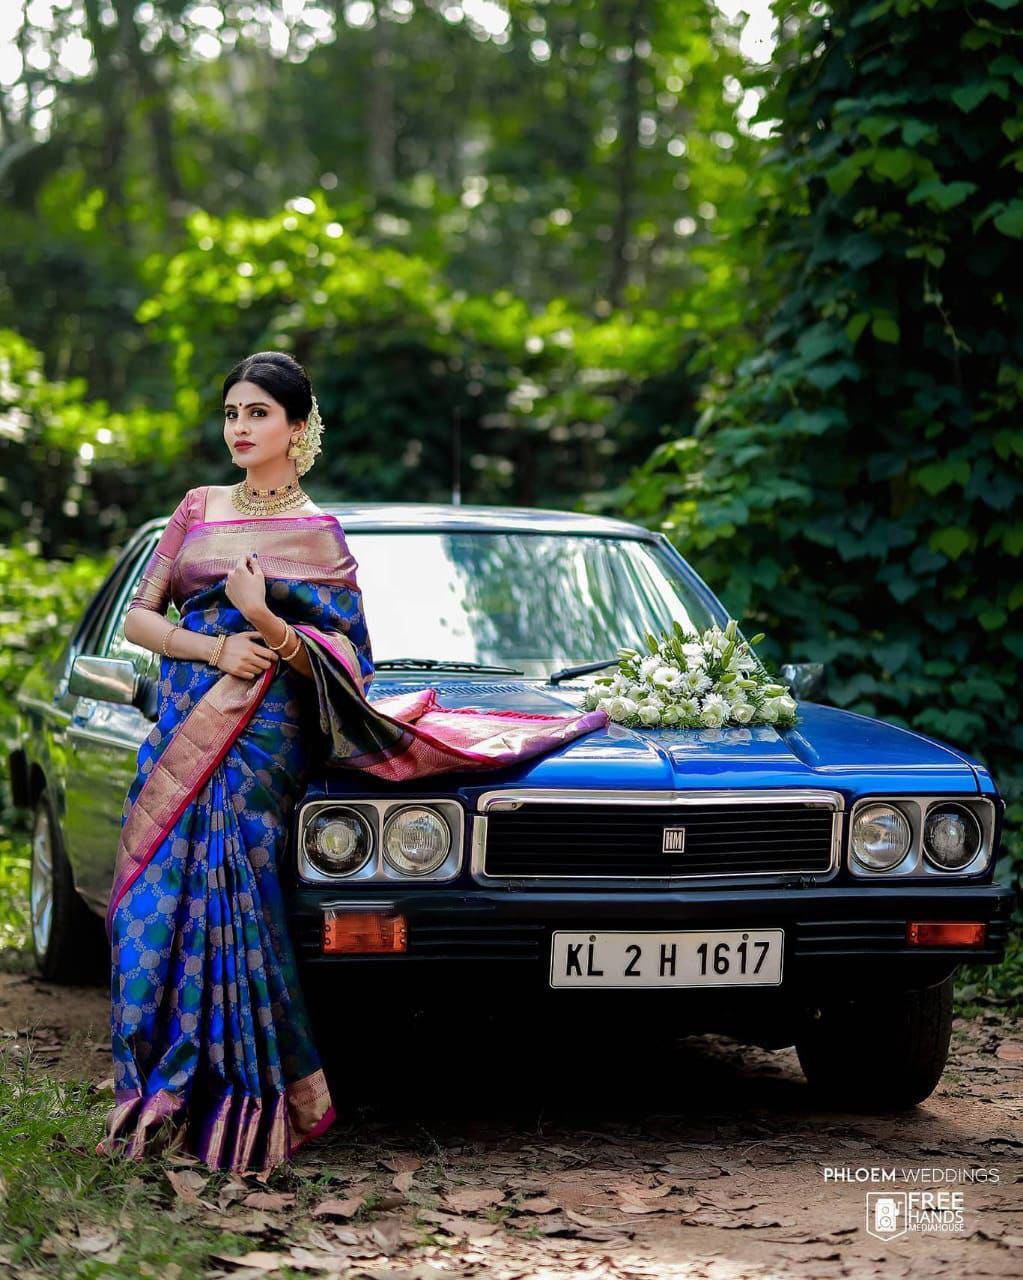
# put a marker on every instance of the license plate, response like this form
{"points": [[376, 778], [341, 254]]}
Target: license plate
{"points": [[684, 958]]}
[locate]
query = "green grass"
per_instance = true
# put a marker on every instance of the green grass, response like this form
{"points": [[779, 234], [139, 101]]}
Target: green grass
{"points": [[58, 1191]]}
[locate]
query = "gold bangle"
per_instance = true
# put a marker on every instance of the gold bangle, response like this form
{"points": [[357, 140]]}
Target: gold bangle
{"points": [[218, 648], [287, 631], [286, 657], [166, 636]]}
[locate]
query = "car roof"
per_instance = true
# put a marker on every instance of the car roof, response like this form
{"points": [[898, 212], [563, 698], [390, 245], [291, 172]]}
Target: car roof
{"points": [[358, 517], [362, 516]]}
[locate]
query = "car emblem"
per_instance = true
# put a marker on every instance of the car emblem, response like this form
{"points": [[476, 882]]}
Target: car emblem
{"points": [[673, 840]]}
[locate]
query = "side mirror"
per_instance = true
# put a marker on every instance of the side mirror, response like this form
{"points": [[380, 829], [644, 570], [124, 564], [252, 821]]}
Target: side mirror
{"points": [[805, 679], [113, 680], [105, 679]]}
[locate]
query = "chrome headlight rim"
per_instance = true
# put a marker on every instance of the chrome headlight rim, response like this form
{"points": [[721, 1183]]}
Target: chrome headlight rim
{"points": [[938, 805], [858, 816], [392, 816], [324, 818]]}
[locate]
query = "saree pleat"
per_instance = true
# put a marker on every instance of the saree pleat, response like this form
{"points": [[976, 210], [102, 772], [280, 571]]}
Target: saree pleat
{"points": [[210, 1032]]}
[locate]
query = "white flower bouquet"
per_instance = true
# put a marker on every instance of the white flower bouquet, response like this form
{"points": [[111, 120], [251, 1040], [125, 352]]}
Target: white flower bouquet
{"points": [[686, 682]]}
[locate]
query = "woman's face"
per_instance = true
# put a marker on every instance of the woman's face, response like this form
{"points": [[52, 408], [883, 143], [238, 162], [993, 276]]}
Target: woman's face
{"points": [[252, 416]]}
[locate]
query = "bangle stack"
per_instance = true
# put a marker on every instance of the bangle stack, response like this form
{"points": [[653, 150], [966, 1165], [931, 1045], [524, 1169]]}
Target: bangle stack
{"points": [[288, 630], [166, 636], [214, 657]]}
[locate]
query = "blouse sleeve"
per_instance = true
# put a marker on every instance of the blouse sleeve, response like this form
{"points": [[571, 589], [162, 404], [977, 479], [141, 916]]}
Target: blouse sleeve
{"points": [[154, 587]]}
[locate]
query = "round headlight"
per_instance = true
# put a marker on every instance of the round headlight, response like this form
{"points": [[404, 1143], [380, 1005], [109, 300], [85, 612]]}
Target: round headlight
{"points": [[339, 841], [416, 840], [952, 836], [880, 837]]}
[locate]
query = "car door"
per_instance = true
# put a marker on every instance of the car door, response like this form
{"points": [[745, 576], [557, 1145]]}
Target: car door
{"points": [[103, 743]]}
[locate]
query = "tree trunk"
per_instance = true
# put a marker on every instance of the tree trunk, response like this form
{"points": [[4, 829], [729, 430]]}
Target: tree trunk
{"points": [[628, 136]]}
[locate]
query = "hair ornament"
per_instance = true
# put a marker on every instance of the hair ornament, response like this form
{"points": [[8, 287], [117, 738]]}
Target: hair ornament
{"points": [[307, 446]]}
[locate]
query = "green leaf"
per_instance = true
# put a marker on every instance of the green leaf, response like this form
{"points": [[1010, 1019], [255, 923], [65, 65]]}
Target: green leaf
{"points": [[953, 541], [992, 619], [894, 163], [884, 327], [1010, 221], [969, 96], [943, 195], [856, 326], [936, 476]]}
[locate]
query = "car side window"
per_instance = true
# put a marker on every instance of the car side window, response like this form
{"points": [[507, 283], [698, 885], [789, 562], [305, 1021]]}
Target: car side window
{"points": [[89, 637], [145, 661]]}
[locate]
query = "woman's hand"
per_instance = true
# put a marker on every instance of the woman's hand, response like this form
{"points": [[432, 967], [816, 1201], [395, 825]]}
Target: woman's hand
{"points": [[246, 587], [242, 655]]}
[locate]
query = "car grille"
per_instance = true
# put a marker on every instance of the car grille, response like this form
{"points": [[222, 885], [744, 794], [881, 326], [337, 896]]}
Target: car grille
{"points": [[593, 840]]}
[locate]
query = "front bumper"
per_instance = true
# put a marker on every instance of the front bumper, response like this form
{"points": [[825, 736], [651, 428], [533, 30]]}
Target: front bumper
{"points": [[835, 937]]}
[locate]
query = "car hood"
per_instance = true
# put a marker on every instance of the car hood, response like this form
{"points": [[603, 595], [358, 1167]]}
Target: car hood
{"points": [[828, 748]]}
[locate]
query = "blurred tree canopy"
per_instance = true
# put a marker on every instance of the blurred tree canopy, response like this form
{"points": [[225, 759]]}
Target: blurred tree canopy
{"points": [[483, 226]]}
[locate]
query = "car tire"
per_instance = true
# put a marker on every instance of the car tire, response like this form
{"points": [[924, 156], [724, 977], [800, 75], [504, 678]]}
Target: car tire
{"points": [[883, 1054], [68, 940]]}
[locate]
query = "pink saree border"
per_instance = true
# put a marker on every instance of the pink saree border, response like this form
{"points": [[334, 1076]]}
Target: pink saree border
{"points": [[254, 696]]}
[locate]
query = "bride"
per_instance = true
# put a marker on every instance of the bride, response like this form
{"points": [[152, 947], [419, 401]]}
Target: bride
{"points": [[266, 670]]}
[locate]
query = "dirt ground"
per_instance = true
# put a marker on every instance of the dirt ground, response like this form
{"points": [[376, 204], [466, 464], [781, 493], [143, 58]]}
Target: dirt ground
{"points": [[541, 1158]]}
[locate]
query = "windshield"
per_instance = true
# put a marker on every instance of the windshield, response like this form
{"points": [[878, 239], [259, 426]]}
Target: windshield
{"points": [[537, 602]]}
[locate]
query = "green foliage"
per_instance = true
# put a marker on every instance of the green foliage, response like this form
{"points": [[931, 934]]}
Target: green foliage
{"points": [[855, 485], [401, 361]]}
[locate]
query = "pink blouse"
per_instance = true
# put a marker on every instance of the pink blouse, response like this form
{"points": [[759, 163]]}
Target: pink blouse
{"points": [[193, 552]]}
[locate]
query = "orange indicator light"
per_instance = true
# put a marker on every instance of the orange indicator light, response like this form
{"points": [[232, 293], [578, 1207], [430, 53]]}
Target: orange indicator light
{"points": [[945, 933], [363, 931]]}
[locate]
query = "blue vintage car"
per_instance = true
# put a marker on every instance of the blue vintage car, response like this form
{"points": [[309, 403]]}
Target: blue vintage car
{"points": [[815, 886]]}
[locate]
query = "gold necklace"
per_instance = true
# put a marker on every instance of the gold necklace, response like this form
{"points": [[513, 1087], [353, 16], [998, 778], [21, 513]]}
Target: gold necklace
{"points": [[263, 502]]}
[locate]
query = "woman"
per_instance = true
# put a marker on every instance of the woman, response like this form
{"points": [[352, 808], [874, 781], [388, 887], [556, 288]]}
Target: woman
{"points": [[267, 668]]}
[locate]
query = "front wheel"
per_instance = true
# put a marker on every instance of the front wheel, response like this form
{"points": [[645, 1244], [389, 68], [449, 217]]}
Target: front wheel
{"points": [[68, 940], [884, 1053]]}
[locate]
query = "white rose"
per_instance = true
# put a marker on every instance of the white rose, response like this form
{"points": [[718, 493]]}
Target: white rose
{"points": [[769, 710], [670, 715], [650, 715], [715, 711], [621, 708], [742, 712]]}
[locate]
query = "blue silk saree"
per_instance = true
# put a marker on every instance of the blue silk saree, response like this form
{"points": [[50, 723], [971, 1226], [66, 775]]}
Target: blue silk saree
{"points": [[210, 1032]]}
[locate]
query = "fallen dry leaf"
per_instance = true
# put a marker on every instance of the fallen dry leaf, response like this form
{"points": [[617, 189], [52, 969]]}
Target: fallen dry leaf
{"points": [[339, 1208], [269, 1200], [470, 1200], [187, 1183], [539, 1204]]}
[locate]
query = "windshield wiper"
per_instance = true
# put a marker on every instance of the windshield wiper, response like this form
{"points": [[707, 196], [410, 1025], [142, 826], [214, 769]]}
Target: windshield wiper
{"points": [[566, 673], [432, 664]]}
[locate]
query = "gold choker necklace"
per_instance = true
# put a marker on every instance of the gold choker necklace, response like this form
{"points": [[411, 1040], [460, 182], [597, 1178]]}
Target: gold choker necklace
{"points": [[265, 502]]}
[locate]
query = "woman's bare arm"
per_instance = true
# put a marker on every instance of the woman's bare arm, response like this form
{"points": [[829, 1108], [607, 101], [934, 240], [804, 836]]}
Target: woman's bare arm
{"points": [[148, 628]]}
